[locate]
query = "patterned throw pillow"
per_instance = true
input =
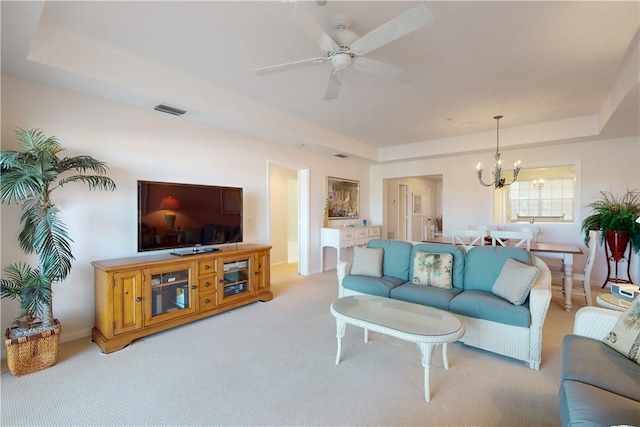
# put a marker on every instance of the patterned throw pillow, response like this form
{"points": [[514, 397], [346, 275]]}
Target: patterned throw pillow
{"points": [[625, 335], [432, 269]]}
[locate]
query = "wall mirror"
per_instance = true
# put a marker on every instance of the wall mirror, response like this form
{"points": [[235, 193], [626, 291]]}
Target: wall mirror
{"points": [[343, 198]]}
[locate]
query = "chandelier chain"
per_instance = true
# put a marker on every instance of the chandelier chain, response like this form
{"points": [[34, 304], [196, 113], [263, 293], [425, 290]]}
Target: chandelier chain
{"points": [[497, 118]]}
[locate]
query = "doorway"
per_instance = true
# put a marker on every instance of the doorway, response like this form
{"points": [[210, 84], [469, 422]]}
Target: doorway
{"points": [[406, 216], [288, 220]]}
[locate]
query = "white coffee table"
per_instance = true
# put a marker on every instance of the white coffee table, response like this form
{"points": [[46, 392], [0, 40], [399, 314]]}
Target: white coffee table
{"points": [[425, 326]]}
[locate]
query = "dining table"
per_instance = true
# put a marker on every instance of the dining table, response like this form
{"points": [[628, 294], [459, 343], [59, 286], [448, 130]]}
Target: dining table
{"points": [[564, 251]]}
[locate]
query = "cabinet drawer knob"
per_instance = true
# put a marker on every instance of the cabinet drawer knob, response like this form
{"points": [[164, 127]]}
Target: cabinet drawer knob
{"points": [[207, 301], [138, 299], [206, 267], [256, 273], [193, 286], [221, 281], [207, 284]]}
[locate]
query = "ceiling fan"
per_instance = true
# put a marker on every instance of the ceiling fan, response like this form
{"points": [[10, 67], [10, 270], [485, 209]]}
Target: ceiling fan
{"points": [[346, 48]]}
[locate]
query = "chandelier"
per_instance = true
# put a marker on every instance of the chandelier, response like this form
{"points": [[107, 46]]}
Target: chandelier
{"points": [[498, 180]]}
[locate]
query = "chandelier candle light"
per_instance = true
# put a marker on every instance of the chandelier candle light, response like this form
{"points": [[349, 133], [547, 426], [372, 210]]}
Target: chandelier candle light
{"points": [[498, 181]]}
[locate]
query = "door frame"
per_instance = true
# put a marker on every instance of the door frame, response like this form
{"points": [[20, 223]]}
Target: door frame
{"points": [[303, 218]]}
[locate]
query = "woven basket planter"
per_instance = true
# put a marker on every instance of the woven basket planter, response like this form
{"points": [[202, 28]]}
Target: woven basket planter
{"points": [[33, 352]]}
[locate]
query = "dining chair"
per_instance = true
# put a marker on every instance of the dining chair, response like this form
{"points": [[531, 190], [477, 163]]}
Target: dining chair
{"points": [[585, 275], [526, 229], [517, 239], [468, 238], [483, 227]]}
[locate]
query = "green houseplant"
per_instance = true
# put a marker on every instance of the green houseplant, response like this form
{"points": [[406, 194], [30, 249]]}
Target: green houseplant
{"points": [[615, 215], [29, 287], [29, 177]]}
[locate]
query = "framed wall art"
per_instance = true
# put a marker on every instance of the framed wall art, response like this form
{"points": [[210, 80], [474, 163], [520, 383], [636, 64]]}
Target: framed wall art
{"points": [[417, 204], [343, 198]]}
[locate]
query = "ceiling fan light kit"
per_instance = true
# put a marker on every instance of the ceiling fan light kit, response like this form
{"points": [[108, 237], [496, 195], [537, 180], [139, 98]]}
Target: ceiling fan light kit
{"points": [[345, 47], [498, 180]]}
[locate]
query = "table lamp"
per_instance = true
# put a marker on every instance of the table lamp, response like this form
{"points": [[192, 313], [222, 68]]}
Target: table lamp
{"points": [[169, 203]]}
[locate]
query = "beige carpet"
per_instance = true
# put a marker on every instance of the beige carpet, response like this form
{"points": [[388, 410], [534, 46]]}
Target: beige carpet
{"points": [[273, 364]]}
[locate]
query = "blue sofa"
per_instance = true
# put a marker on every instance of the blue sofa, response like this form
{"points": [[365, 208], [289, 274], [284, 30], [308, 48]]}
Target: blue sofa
{"points": [[491, 322]]}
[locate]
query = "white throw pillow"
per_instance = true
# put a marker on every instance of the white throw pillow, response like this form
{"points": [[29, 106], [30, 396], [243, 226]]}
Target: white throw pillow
{"points": [[515, 281], [433, 269], [625, 335], [367, 261]]}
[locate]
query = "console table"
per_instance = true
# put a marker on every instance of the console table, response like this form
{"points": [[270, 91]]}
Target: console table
{"points": [[345, 237]]}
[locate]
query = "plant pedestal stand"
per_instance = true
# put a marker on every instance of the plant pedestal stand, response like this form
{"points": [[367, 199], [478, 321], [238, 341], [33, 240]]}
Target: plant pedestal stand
{"points": [[624, 257]]}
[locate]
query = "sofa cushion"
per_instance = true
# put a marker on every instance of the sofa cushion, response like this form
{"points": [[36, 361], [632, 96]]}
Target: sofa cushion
{"points": [[380, 286], [515, 281], [425, 295], [584, 404], [486, 306], [590, 361], [432, 269], [367, 261], [625, 335], [396, 259], [457, 273], [484, 264]]}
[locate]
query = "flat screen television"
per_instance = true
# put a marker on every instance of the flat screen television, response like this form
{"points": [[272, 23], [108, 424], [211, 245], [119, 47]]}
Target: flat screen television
{"points": [[172, 215]]}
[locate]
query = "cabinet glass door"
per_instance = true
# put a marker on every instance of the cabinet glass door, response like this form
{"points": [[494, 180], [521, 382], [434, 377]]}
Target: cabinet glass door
{"points": [[235, 278], [170, 294]]}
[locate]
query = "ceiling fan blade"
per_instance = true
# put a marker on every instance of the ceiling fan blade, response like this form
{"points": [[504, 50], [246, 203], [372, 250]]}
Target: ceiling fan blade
{"points": [[413, 19], [313, 30], [333, 85], [382, 69], [290, 66]]}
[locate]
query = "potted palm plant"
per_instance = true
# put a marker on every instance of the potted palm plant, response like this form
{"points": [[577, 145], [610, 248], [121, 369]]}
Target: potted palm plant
{"points": [[616, 218], [29, 177]]}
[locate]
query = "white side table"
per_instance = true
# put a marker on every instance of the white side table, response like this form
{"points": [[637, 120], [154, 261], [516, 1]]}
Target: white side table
{"points": [[612, 302]]}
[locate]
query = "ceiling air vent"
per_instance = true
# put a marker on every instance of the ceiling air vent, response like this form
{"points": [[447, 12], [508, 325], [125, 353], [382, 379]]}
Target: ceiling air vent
{"points": [[163, 108], [342, 156]]}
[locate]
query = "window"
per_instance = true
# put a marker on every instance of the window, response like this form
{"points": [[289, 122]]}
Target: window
{"points": [[540, 195]]}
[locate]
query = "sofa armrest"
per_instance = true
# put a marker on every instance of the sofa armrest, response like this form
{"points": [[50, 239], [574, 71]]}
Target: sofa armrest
{"points": [[595, 322], [343, 268], [539, 300], [540, 295]]}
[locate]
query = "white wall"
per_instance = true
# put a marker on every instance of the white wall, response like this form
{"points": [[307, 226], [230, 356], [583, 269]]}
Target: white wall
{"points": [[145, 145], [602, 165]]}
